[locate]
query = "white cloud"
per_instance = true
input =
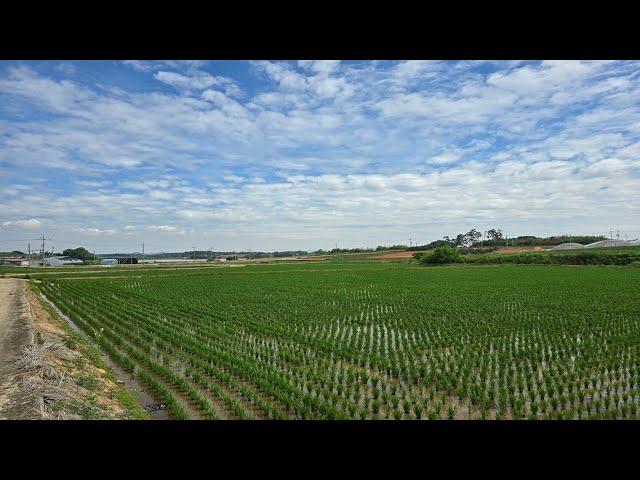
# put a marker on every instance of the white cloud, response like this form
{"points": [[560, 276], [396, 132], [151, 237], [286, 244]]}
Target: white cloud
{"points": [[321, 149], [197, 80], [97, 231], [165, 228], [29, 224], [445, 158]]}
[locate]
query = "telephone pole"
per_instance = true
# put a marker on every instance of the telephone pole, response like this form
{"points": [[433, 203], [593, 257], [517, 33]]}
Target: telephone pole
{"points": [[28, 255], [142, 252], [44, 264], [194, 253]]}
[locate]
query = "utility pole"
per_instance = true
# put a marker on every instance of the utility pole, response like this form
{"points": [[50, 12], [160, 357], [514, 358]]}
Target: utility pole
{"points": [[28, 255], [194, 253], [142, 252], [44, 264], [410, 242]]}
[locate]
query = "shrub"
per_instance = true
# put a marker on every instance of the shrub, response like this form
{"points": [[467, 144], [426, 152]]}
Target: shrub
{"points": [[440, 256]]}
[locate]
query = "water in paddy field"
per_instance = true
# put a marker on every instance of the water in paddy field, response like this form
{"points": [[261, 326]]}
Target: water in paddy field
{"points": [[145, 399]]}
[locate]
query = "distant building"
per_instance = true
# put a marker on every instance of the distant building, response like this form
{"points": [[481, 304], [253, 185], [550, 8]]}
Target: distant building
{"points": [[59, 261], [128, 260], [109, 261], [11, 261]]}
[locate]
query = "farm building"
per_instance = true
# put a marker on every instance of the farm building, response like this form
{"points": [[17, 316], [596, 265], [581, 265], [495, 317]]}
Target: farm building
{"points": [[109, 261], [58, 261], [11, 260], [128, 260]]}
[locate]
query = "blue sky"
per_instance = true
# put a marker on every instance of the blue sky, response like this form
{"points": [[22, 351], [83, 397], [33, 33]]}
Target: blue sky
{"points": [[282, 155]]}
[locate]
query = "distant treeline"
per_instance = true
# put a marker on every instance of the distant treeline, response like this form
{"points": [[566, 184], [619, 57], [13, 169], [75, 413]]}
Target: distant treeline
{"points": [[529, 240], [582, 258], [14, 253], [379, 248], [445, 254], [495, 238], [285, 253], [204, 254]]}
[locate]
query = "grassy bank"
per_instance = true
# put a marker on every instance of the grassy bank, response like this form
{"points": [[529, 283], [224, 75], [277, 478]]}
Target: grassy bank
{"points": [[609, 256]]}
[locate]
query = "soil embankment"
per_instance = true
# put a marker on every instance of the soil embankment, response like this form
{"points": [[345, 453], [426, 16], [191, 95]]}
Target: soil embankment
{"points": [[16, 401], [47, 371]]}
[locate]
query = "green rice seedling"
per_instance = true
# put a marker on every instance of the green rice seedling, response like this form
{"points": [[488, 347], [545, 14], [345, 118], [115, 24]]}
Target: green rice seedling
{"points": [[451, 412], [501, 340]]}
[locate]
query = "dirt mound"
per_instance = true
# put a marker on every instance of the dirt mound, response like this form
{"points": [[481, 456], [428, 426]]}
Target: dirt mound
{"points": [[519, 249], [395, 255], [568, 246]]}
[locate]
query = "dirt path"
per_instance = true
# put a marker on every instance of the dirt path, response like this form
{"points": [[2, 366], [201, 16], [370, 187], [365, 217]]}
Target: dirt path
{"points": [[15, 336]]}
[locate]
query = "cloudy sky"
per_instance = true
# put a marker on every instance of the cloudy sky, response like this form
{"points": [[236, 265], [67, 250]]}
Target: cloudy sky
{"points": [[286, 155]]}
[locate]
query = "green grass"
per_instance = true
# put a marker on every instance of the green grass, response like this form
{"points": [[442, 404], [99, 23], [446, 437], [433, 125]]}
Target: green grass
{"points": [[610, 250], [589, 256], [373, 339]]}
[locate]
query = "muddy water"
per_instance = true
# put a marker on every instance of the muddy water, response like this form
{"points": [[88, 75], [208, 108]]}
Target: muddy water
{"points": [[145, 397]]}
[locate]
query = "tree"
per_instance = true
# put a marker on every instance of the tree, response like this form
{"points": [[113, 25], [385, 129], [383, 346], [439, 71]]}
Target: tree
{"points": [[471, 237], [80, 252], [494, 234], [440, 256]]}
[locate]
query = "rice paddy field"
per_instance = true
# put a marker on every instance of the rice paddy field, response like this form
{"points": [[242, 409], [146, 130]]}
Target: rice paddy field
{"points": [[370, 340]]}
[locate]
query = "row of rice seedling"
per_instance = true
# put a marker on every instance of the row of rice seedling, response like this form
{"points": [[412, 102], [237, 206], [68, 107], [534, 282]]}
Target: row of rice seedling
{"points": [[384, 342]]}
